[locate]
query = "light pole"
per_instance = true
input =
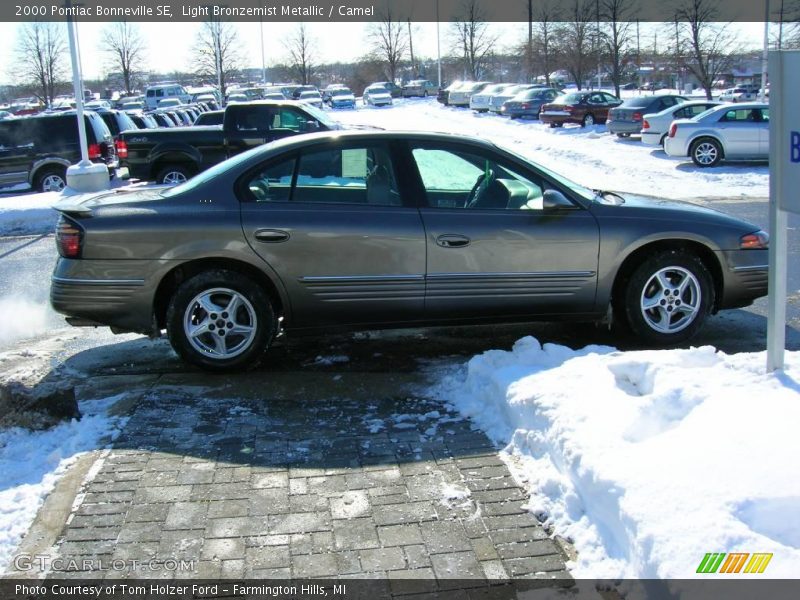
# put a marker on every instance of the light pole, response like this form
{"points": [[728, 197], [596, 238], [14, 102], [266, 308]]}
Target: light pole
{"points": [[438, 47], [762, 96], [86, 176], [263, 59]]}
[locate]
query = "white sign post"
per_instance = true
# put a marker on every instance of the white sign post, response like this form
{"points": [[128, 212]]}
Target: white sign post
{"points": [[784, 190]]}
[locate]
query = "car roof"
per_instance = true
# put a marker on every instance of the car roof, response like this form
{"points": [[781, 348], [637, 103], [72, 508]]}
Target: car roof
{"points": [[299, 141]]}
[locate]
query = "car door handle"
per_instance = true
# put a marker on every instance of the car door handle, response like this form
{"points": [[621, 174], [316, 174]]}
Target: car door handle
{"points": [[451, 240], [271, 235]]}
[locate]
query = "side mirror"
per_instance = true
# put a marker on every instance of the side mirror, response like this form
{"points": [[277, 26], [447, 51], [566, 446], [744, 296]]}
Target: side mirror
{"points": [[553, 199]]}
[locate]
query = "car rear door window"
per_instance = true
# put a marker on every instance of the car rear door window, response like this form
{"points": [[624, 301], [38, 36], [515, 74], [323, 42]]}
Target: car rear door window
{"points": [[360, 174], [352, 175]]}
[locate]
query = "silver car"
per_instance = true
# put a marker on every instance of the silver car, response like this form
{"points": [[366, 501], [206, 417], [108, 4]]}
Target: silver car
{"points": [[482, 101], [727, 132], [377, 229], [655, 126]]}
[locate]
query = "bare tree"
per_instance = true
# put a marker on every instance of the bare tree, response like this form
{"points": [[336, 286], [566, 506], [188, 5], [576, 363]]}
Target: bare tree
{"points": [[545, 28], [709, 46], [125, 46], [40, 52], [389, 40], [616, 36], [301, 49], [576, 40], [472, 38], [217, 52]]}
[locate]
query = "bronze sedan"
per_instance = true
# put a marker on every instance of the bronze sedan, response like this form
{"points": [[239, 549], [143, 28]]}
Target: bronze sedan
{"points": [[372, 229]]}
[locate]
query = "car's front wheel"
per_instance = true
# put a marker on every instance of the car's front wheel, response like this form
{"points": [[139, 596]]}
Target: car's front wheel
{"points": [[220, 320], [667, 298], [706, 152], [588, 120]]}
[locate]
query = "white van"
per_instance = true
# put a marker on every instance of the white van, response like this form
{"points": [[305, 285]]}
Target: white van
{"points": [[162, 91]]}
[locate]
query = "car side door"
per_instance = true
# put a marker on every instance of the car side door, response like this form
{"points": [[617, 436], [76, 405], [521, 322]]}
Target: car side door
{"points": [[492, 247], [740, 129], [764, 133], [332, 222]]}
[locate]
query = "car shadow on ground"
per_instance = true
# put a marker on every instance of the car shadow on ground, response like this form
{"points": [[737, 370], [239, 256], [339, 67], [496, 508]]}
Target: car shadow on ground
{"points": [[732, 168]]}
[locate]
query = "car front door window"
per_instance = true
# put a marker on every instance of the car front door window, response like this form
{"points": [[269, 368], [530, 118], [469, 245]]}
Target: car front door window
{"points": [[471, 180]]}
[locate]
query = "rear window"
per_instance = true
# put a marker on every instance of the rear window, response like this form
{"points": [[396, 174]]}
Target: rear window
{"points": [[638, 102], [96, 127], [125, 122]]}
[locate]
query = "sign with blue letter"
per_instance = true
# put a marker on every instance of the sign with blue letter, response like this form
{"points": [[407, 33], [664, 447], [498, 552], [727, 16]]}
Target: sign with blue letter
{"points": [[784, 129]]}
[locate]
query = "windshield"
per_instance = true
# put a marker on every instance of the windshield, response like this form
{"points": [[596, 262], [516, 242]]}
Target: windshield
{"points": [[341, 92], [310, 95], [322, 117], [577, 188]]}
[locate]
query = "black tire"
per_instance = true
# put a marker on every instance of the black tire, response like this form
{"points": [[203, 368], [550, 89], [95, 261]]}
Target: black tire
{"points": [[623, 135], [588, 120], [663, 139], [425, 94], [706, 152], [217, 288], [51, 179], [174, 174], [669, 307]]}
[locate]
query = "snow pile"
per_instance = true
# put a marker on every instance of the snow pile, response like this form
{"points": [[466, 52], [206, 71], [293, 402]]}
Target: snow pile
{"points": [[29, 214], [646, 460], [31, 462]]}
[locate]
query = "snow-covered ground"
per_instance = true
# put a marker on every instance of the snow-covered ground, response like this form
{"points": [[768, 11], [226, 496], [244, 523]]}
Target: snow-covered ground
{"points": [[590, 156], [646, 460], [31, 462]]}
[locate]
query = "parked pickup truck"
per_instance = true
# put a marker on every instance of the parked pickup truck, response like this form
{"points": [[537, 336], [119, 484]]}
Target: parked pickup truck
{"points": [[173, 155]]}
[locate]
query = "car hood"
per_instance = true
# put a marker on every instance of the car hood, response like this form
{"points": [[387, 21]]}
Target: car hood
{"points": [[638, 206]]}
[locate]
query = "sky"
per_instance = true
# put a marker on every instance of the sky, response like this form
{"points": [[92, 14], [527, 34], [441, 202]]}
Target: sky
{"points": [[170, 44]]}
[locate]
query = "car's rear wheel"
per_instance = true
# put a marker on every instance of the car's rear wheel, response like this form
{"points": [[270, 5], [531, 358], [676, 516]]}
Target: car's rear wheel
{"points": [[174, 174], [51, 179], [221, 321], [706, 152], [623, 135], [667, 298], [588, 120]]}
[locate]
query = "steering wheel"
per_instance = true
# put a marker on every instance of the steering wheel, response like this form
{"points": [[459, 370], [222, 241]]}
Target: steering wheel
{"points": [[483, 181]]}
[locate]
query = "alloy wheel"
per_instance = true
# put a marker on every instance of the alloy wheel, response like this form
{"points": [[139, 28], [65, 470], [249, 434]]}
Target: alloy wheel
{"points": [[220, 323], [671, 299]]}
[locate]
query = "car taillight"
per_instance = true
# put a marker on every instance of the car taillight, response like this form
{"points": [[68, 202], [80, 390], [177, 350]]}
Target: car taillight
{"points": [[569, 109], [94, 151], [645, 125], [122, 148], [637, 116], [756, 240], [526, 105], [672, 129], [69, 238]]}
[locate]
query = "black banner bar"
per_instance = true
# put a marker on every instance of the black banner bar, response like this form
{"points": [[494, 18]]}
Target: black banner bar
{"points": [[375, 10]]}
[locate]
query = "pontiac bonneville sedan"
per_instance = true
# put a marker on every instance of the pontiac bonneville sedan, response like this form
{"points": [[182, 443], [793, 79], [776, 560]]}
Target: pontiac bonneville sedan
{"points": [[378, 229]]}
